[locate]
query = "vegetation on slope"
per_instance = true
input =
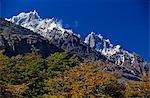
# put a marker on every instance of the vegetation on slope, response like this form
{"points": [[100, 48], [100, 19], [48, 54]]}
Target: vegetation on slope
{"points": [[62, 76]]}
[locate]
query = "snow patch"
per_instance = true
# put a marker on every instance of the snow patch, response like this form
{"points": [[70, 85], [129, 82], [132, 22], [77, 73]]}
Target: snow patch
{"points": [[107, 49], [44, 27]]}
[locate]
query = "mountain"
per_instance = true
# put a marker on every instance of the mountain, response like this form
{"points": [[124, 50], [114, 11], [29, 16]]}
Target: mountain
{"points": [[48, 34], [129, 63], [104, 46], [53, 31], [44, 27], [16, 40]]}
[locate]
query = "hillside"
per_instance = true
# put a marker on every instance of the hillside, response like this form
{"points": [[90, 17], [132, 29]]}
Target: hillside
{"points": [[40, 58], [94, 47], [58, 76]]}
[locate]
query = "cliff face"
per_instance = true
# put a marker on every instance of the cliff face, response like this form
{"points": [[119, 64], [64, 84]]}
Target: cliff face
{"points": [[53, 31], [15, 39], [94, 47], [18, 40], [28, 33]]}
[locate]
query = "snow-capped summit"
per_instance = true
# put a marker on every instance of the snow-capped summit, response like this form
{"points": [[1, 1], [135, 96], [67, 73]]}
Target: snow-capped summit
{"points": [[56, 38], [107, 49], [45, 27], [52, 30], [90, 39], [98, 42], [23, 18]]}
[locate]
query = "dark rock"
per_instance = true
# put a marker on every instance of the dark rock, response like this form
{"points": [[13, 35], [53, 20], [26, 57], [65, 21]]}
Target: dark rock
{"points": [[18, 40]]}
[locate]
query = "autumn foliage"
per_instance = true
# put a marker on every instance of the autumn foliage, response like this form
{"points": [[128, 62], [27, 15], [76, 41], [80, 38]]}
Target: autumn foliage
{"points": [[61, 75]]}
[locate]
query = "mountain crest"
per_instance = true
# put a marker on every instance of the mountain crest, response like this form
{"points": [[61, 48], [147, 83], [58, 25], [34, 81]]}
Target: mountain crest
{"points": [[45, 27], [23, 17], [53, 31], [18, 40], [106, 48]]}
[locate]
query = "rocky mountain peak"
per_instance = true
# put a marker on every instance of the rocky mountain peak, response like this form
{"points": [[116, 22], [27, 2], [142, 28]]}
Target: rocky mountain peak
{"points": [[98, 42], [46, 36], [106, 48], [48, 28], [53, 31], [23, 18]]}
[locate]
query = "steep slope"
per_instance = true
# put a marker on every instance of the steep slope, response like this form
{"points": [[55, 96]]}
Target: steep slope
{"points": [[15, 39], [44, 27], [109, 50], [18, 40], [130, 64], [52, 31], [95, 47]]}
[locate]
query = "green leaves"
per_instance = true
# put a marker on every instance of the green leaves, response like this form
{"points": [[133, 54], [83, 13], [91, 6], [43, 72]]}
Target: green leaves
{"points": [[59, 62], [32, 70], [60, 75]]}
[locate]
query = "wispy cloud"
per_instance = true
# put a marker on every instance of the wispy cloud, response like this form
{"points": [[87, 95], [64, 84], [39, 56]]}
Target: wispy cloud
{"points": [[76, 23]]}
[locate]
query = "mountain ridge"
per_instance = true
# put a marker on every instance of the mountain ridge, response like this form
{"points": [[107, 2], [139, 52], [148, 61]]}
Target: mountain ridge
{"points": [[47, 27], [69, 44], [94, 47]]}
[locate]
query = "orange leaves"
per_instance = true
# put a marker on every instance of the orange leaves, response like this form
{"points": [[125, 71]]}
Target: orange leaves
{"points": [[138, 89], [87, 80], [79, 81], [83, 79], [17, 89]]}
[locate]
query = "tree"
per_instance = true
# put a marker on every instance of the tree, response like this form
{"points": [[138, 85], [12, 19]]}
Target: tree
{"points": [[4, 60], [29, 69], [59, 62], [27, 73], [17, 90], [138, 88], [85, 81]]}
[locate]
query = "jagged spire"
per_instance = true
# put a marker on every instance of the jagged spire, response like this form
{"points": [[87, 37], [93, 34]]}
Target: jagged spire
{"points": [[33, 22], [51, 29]]}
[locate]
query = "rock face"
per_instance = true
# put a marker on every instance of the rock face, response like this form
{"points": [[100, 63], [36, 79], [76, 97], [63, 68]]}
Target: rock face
{"points": [[46, 36], [18, 40], [15, 39], [75, 45], [45, 27], [131, 65], [114, 53], [53, 31]]}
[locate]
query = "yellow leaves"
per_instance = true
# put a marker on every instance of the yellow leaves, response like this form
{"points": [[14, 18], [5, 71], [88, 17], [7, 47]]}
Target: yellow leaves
{"points": [[87, 80], [51, 81], [53, 96], [81, 80], [75, 96], [138, 88], [17, 89], [3, 60]]}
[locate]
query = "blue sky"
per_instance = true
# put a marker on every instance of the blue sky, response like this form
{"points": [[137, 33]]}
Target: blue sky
{"points": [[124, 22]]}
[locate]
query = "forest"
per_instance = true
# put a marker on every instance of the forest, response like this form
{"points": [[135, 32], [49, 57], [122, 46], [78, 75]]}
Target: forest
{"points": [[62, 75]]}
